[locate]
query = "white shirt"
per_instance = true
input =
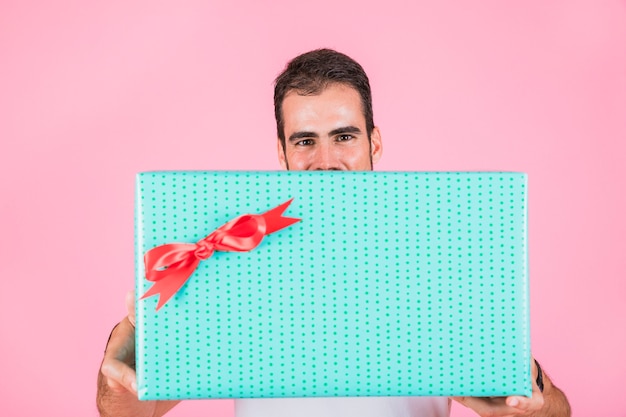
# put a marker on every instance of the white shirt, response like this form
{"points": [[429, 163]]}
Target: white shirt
{"points": [[344, 407]]}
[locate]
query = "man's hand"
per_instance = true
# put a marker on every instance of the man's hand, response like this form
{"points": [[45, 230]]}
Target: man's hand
{"points": [[118, 365], [552, 402], [117, 381], [504, 407]]}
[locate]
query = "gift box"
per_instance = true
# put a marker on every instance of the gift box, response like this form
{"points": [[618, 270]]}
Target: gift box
{"points": [[321, 284]]}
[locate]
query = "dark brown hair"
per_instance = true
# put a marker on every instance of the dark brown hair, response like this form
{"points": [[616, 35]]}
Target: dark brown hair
{"points": [[311, 72]]}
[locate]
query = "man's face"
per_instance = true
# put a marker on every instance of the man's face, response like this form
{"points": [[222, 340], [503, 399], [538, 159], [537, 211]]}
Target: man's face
{"points": [[327, 132]]}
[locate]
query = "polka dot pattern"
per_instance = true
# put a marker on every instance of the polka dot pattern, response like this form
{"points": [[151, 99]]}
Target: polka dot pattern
{"points": [[394, 283]]}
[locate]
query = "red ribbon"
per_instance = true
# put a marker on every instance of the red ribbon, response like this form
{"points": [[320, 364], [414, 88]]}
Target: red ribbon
{"points": [[170, 266]]}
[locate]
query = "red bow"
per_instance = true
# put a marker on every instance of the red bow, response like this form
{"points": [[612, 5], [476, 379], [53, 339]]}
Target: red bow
{"points": [[170, 266]]}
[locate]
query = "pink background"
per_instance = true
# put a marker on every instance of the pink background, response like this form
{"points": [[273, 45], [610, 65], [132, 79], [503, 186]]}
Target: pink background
{"points": [[92, 93]]}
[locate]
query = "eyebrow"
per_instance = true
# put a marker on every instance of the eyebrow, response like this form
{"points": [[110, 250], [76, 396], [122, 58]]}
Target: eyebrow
{"points": [[347, 129], [341, 130], [302, 135]]}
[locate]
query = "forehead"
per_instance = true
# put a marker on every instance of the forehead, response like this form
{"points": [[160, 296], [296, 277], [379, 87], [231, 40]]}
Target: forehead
{"points": [[335, 103]]}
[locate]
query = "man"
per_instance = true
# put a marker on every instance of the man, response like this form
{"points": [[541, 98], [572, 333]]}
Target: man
{"points": [[324, 119]]}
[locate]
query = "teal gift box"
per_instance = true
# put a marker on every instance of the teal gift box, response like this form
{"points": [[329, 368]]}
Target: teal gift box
{"points": [[391, 283]]}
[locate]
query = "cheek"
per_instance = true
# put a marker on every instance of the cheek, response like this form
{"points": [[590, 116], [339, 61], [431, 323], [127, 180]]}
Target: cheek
{"points": [[359, 158], [297, 160]]}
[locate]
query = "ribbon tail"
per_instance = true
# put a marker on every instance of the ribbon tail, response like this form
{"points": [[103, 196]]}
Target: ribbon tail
{"points": [[275, 221], [166, 288]]}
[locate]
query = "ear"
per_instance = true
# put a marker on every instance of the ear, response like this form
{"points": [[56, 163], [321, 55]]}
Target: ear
{"points": [[376, 145], [281, 154]]}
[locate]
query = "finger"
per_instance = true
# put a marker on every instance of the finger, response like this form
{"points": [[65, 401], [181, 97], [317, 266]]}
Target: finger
{"points": [[533, 368], [121, 344], [119, 359], [117, 368], [130, 306], [533, 403], [119, 376], [496, 406]]}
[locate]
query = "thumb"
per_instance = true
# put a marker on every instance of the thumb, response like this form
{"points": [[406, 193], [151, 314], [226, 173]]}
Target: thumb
{"points": [[119, 376], [130, 306]]}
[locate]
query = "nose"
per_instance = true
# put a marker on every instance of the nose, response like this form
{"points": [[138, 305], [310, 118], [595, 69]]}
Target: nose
{"points": [[325, 158]]}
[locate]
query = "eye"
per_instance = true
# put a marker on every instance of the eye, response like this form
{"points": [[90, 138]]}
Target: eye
{"points": [[343, 138], [304, 142]]}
